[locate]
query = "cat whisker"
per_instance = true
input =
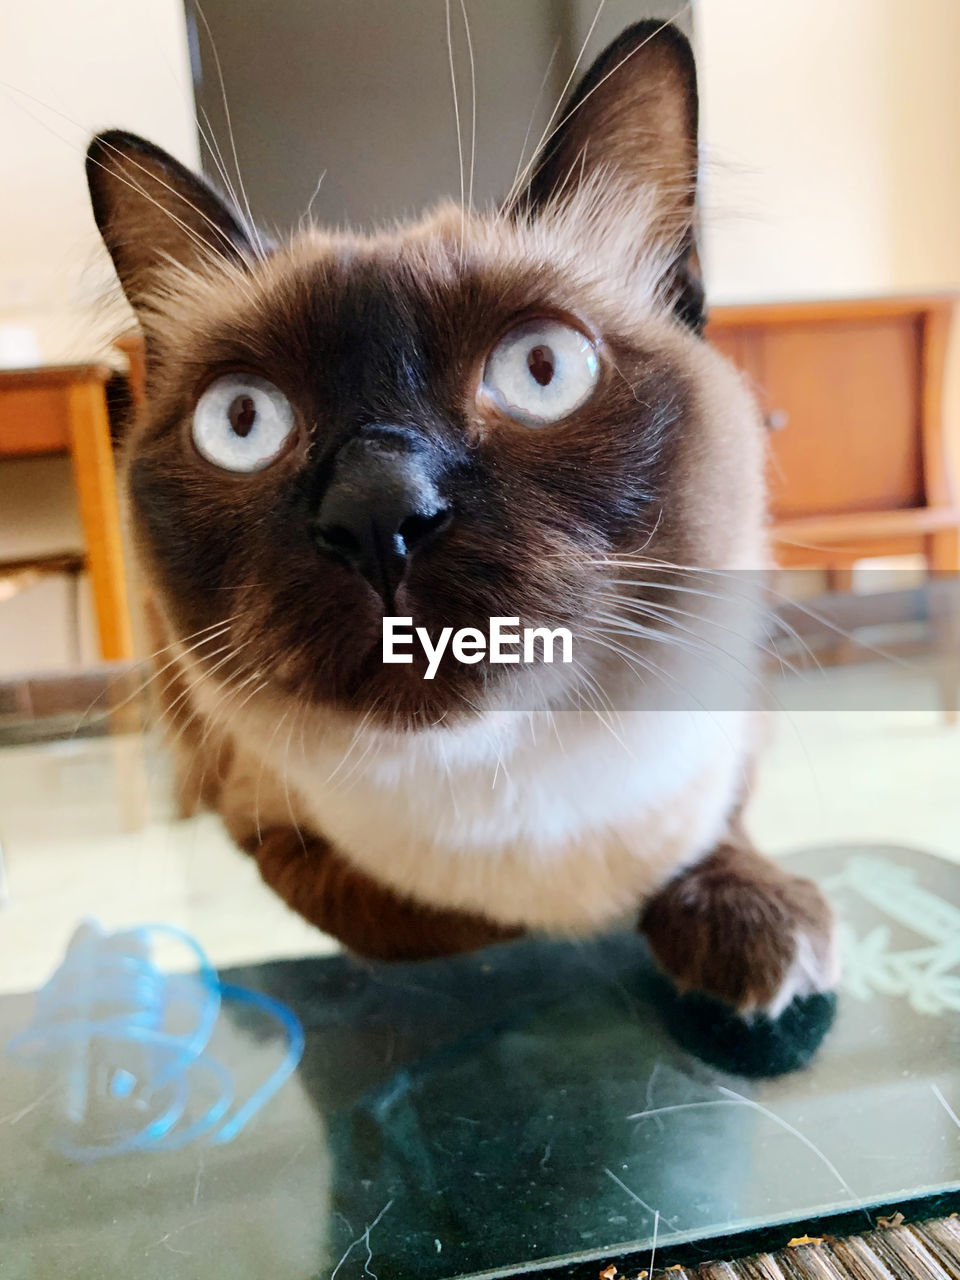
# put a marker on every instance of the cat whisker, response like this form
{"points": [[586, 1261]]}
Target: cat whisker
{"points": [[303, 730], [473, 103], [264, 757], [552, 721], [587, 688], [456, 116], [145, 685], [177, 721], [373, 744], [176, 667], [208, 137], [577, 167], [667, 612], [729, 575], [306, 218], [258, 688], [500, 766], [199, 240], [192, 680], [633, 659], [183, 640], [616, 625], [448, 774], [251, 225], [828, 1164], [752, 684], [748, 684], [218, 718], [632, 560], [598, 693], [606, 640], [285, 778], [642, 403], [548, 129], [533, 111], [368, 714], [226, 703]]}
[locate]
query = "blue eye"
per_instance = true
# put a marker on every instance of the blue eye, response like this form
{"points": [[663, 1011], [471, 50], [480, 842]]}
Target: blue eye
{"points": [[242, 422], [541, 372]]}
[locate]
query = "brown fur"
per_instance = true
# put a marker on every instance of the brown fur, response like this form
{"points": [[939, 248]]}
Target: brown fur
{"points": [[275, 671], [367, 917], [729, 926]]}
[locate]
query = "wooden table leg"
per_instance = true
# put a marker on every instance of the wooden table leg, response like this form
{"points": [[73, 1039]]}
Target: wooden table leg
{"points": [[96, 483], [943, 551]]}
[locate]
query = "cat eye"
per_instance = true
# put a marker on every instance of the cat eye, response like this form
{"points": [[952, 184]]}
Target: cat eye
{"points": [[242, 422], [541, 371]]}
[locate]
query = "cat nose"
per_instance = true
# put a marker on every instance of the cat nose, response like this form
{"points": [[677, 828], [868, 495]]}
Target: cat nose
{"points": [[380, 508]]}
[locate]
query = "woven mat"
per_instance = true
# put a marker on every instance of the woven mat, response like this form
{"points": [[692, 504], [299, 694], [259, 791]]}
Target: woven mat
{"points": [[923, 1251]]}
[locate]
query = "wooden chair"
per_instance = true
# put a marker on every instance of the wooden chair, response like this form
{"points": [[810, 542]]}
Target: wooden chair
{"points": [[61, 409]]}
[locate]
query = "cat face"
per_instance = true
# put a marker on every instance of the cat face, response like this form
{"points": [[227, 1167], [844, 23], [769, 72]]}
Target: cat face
{"points": [[473, 416]]}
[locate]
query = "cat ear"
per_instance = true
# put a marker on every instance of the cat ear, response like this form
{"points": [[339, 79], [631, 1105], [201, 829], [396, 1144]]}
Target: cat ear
{"points": [[151, 210], [630, 130]]}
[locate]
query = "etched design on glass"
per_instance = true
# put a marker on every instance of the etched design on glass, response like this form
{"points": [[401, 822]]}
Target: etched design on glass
{"points": [[927, 976]]}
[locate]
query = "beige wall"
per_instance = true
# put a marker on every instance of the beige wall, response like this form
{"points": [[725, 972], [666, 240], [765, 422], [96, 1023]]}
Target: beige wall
{"points": [[831, 133], [86, 65]]}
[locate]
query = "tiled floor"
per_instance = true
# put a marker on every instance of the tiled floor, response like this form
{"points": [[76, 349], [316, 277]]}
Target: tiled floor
{"points": [[106, 846], [86, 830]]}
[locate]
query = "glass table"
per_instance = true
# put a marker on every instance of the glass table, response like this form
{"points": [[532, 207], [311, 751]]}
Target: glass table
{"points": [[529, 1109]]}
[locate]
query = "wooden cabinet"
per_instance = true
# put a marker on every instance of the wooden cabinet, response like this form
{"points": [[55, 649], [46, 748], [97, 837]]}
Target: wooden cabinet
{"points": [[852, 394]]}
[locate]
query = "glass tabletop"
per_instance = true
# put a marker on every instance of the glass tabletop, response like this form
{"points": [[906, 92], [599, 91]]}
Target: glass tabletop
{"points": [[530, 1107]]}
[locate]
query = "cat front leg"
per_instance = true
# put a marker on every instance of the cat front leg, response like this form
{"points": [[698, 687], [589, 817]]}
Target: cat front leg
{"points": [[367, 917], [740, 928]]}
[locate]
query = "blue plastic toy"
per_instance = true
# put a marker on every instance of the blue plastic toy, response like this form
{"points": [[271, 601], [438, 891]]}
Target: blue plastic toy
{"points": [[135, 1041]]}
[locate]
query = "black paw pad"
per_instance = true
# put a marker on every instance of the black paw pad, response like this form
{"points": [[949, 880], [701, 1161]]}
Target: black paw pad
{"points": [[755, 1046]]}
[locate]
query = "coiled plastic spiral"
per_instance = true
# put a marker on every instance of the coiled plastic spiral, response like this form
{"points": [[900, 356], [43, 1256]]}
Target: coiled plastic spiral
{"points": [[133, 1039]]}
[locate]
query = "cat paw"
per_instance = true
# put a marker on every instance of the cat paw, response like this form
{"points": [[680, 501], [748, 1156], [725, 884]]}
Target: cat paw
{"points": [[758, 1047], [737, 927]]}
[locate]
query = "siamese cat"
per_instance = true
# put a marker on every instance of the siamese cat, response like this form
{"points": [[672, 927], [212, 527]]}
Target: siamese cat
{"points": [[508, 414]]}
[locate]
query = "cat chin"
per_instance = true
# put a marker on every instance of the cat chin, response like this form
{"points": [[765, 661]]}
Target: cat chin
{"points": [[394, 702], [410, 706]]}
